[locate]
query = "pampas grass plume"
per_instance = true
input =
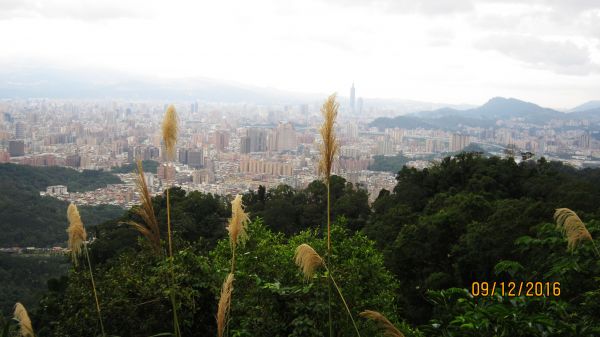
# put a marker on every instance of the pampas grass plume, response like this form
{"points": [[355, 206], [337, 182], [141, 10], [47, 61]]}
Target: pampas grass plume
{"points": [[389, 330], [329, 148], [170, 129], [307, 259], [572, 227], [238, 222], [22, 317], [224, 304], [149, 228], [76, 231]]}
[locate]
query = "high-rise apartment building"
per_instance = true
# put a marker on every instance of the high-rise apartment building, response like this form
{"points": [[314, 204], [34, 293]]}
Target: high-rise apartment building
{"points": [[142, 152], [16, 148], [220, 140], [203, 177], [359, 106], [351, 131], [195, 158], [166, 172], [182, 156], [459, 142], [260, 166], [352, 99], [285, 137], [385, 146], [20, 130], [254, 140], [585, 141]]}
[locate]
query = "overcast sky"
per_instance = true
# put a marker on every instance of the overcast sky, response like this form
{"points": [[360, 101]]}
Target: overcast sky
{"points": [[451, 51]]}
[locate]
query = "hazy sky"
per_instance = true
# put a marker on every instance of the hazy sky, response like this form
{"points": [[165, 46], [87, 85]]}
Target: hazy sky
{"points": [[452, 51]]}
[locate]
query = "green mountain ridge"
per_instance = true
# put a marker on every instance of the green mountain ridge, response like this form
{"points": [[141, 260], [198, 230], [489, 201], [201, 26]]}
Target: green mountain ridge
{"points": [[28, 219], [497, 108]]}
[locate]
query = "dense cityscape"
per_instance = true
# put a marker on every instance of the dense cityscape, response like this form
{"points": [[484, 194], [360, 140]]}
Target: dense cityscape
{"points": [[228, 148]]}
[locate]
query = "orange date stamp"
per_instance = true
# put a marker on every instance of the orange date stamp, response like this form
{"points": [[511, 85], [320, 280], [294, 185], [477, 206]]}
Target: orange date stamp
{"points": [[515, 289]]}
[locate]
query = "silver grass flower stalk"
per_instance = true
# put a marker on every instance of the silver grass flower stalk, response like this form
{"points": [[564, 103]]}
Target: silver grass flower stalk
{"points": [[237, 235], [389, 330], [77, 239], [573, 228], [76, 233], [224, 305], [329, 149], [170, 129], [309, 260], [149, 228], [21, 316], [237, 227]]}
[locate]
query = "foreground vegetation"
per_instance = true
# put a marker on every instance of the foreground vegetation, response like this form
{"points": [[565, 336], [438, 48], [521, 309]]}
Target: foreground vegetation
{"points": [[412, 256], [25, 277]]}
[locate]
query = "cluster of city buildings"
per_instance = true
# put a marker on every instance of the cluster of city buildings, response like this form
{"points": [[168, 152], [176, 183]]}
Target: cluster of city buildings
{"points": [[230, 148]]}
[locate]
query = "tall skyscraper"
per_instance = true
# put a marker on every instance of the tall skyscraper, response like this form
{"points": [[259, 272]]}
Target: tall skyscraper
{"points": [[352, 99], [20, 130]]}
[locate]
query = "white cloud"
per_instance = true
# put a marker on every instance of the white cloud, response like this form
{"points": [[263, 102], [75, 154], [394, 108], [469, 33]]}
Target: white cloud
{"points": [[87, 10], [436, 50], [563, 57]]}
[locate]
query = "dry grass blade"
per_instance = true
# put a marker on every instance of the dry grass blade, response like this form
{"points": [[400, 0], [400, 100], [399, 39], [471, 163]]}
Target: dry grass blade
{"points": [[389, 330], [149, 228], [76, 232], [22, 317], [307, 259], [170, 128], [224, 304], [238, 222], [572, 227], [329, 148]]}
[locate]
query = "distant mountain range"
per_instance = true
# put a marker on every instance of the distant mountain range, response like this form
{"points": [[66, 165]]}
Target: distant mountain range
{"points": [[54, 83], [91, 84], [587, 106], [497, 108], [45, 82]]}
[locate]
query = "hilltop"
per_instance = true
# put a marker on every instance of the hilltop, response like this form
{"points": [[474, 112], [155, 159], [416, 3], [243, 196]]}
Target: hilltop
{"points": [[497, 108]]}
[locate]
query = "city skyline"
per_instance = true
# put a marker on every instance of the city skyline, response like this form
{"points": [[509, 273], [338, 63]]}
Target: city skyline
{"points": [[453, 52]]}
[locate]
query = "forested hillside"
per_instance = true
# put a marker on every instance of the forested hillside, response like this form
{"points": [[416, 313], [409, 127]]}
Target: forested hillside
{"points": [[148, 165], [25, 277], [412, 255], [27, 219]]}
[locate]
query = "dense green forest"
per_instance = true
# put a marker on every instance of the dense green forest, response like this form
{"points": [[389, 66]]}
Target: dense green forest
{"points": [[388, 163], [412, 255], [150, 166], [24, 277], [27, 219]]}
